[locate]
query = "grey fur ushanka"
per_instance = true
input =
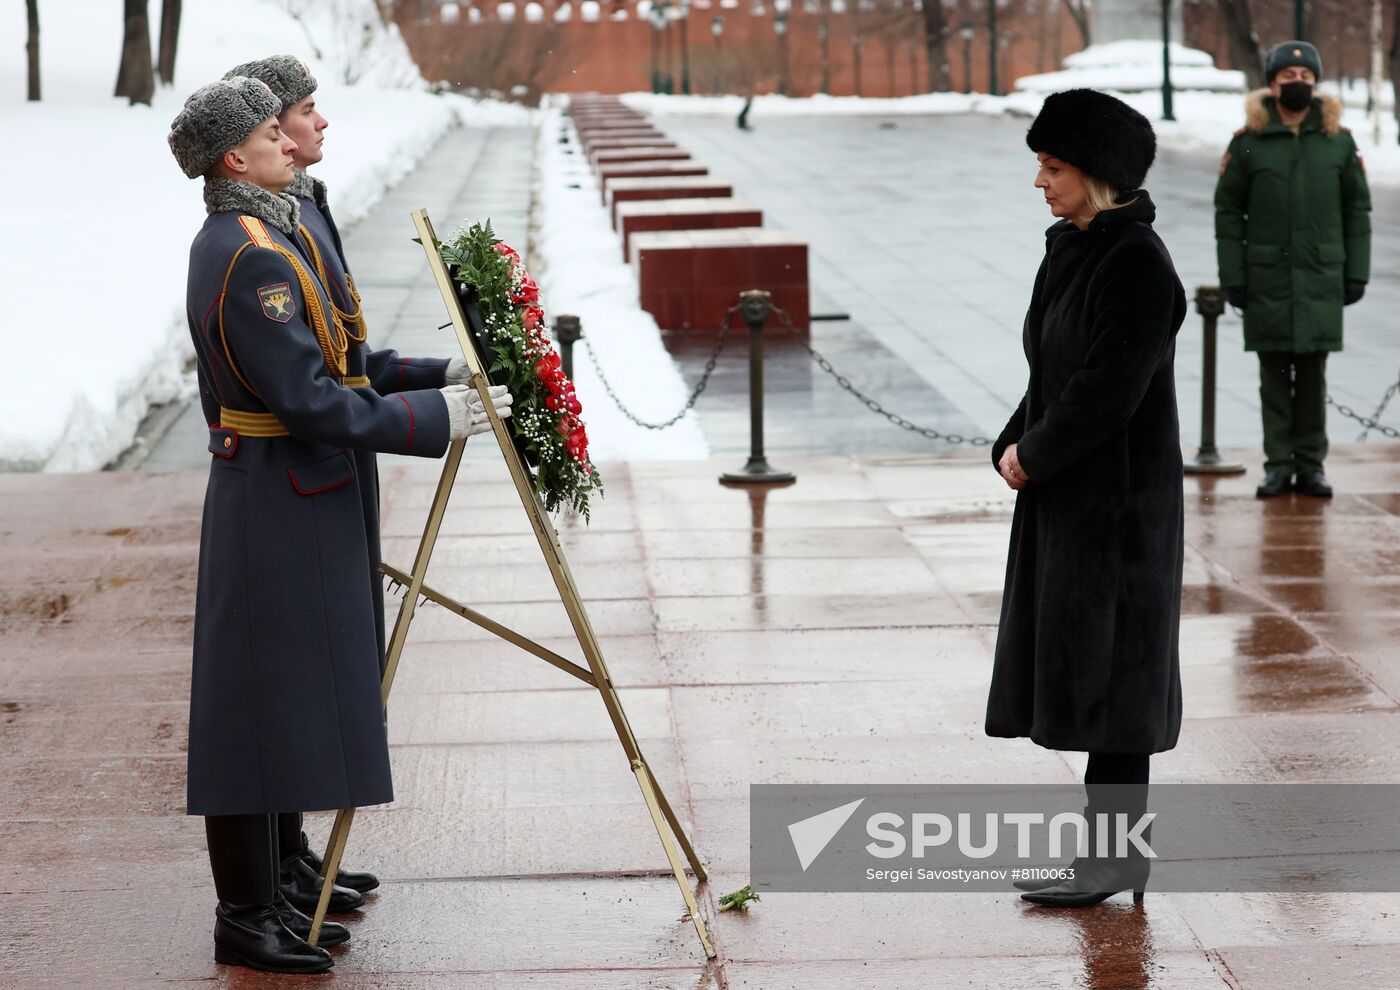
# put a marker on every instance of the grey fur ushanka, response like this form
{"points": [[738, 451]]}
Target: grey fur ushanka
{"points": [[216, 118], [1086, 654]]}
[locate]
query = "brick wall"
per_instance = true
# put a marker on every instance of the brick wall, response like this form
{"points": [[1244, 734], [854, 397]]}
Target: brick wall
{"points": [[615, 56]]}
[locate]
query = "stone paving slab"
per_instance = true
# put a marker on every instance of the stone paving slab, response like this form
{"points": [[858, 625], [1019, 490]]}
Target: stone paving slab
{"points": [[834, 631]]}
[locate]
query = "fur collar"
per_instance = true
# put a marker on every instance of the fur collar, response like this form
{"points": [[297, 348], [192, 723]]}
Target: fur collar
{"points": [[235, 196], [1258, 107], [305, 187]]}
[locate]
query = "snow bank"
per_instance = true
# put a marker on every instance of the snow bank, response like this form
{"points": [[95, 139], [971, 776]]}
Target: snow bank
{"points": [[820, 105], [1135, 66], [96, 249], [577, 260]]}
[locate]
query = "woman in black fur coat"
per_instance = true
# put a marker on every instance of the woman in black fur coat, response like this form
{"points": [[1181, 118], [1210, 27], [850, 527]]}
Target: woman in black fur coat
{"points": [[1086, 654]]}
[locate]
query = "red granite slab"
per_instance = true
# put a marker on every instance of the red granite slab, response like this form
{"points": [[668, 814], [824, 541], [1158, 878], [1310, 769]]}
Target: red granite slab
{"points": [[685, 214], [669, 187]]}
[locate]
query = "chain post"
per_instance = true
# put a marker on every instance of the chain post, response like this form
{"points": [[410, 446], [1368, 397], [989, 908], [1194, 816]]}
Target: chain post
{"points": [[756, 305], [568, 330], [1210, 303]]}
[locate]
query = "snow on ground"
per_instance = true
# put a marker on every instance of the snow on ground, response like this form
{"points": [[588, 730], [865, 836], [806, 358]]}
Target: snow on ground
{"points": [[97, 243], [1133, 66], [577, 259]]}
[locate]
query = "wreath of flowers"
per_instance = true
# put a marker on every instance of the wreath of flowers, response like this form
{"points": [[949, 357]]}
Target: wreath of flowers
{"points": [[545, 415]]}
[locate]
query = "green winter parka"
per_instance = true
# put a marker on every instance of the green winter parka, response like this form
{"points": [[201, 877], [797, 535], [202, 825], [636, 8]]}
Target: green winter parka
{"points": [[1292, 224]]}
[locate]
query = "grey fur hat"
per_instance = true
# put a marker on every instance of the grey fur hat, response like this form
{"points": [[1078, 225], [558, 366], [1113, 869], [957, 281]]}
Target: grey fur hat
{"points": [[286, 75], [218, 117], [1287, 53]]}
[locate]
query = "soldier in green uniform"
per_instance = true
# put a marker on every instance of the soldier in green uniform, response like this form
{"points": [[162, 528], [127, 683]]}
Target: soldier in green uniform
{"points": [[1293, 237]]}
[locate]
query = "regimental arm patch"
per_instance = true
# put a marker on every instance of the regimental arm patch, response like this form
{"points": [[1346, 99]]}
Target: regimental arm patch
{"points": [[1361, 160], [277, 302], [1224, 163]]}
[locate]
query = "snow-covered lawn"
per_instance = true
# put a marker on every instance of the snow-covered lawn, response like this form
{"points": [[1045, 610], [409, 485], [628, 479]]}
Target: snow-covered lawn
{"points": [[99, 221], [578, 262]]}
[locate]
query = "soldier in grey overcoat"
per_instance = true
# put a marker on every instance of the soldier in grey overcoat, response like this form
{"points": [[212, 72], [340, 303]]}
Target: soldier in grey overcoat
{"points": [[285, 712], [382, 370]]}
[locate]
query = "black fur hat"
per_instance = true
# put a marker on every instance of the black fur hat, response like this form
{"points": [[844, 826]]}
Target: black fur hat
{"points": [[1098, 134]]}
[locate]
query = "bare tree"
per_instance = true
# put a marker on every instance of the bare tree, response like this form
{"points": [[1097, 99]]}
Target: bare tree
{"points": [[1079, 13], [31, 47], [1395, 55], [169, 39], [1242, 39], [510, 59], [135, 78], [936, 46], [354, 36]]}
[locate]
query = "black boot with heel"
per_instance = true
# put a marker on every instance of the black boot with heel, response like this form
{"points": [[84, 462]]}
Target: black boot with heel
{"points": [[248, 927], [294, 840], [1115, 783]]}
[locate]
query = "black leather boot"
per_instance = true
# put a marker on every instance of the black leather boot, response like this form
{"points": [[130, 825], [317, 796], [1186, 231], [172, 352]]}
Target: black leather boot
{"points": [[1276, 482], [248, 929], [301, 885], [360, 880], [300, 925], [1096, 879], [1076, 865], [292, 837], [1313, 483]]}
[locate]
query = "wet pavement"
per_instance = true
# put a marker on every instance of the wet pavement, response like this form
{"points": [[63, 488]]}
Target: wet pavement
{"points": [[835, 631]]}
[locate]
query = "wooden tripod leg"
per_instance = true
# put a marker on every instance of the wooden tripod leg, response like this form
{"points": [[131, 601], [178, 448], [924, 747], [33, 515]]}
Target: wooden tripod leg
{"points": [[644, 781], [340, 831]]}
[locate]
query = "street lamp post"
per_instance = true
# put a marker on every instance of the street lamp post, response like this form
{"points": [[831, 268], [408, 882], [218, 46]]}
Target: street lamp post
{"points": [[992, 40], [657, 24], [824, 39], [780, 27], [1167, 60], [685, 47], [967, 30], [669, 80], [717, 29], [1299, 21]]}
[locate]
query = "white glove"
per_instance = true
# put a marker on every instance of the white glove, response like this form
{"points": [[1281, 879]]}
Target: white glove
{"points": [[466, 415], [456, 373]]}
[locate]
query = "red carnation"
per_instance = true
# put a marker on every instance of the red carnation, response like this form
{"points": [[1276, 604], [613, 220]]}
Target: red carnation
{"points": [[534, 316]]}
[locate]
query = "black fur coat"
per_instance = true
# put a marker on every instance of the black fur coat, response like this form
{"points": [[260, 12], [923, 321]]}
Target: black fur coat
{"points": [[1086, 654]]}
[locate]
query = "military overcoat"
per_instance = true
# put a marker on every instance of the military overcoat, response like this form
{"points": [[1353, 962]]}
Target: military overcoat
{"points": [[285, 711], [1293, 225], [1086, 654]]}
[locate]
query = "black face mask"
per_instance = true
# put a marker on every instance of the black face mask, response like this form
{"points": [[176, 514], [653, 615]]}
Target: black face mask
{"points": [[1295, 96]]}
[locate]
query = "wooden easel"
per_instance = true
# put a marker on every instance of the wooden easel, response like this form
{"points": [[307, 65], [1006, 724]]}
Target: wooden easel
{"points": [[668, 827]]}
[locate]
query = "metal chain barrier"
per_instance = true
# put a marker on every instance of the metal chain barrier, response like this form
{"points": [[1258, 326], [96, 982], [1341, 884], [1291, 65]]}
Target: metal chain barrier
{"points": [[699, 390], [1370, 422], [871, 404]]}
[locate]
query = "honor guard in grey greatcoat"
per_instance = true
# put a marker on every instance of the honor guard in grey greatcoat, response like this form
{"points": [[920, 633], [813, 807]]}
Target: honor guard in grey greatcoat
{"points": [[285, 712], [383, 371]]}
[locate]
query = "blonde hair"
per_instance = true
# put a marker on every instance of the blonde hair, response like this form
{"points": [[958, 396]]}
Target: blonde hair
{"points": [[1102, 195]]}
